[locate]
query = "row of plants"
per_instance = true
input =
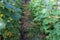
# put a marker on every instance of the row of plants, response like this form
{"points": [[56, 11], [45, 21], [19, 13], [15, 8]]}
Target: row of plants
{"points": [[46, 16], [10, 14]]}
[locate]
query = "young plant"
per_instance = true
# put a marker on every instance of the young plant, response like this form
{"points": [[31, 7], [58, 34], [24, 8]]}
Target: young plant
{"points": [[10, 13]]}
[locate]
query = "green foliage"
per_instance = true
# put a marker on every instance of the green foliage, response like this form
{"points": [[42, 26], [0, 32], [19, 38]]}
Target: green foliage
{"points": [[46, 15], [10, 13]]}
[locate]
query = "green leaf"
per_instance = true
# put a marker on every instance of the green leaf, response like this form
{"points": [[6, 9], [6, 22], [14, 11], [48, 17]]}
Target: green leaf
{"points": [[16, 16], [2, 24]]}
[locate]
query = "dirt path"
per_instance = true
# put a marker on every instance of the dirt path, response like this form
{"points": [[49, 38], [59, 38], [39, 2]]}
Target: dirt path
{"points": [[25, 22]]}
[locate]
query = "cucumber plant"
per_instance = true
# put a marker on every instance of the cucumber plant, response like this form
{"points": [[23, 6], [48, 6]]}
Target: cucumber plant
{"points": [[46, 15], [10, 14]]}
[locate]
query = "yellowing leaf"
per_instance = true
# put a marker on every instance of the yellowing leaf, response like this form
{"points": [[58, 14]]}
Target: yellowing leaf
{"points": [[1, 15]]}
